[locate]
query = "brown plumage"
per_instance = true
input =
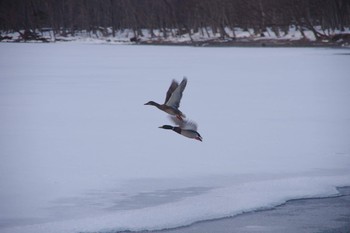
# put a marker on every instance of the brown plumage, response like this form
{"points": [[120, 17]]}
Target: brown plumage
{"points": [[172, 100]]}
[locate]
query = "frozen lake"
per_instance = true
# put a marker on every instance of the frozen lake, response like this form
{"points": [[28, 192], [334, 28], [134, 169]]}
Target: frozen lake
{"points": [[79, 152]]}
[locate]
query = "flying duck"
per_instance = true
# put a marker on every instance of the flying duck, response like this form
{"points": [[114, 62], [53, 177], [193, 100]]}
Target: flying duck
{"points": [[184, 127], [172, 99]]}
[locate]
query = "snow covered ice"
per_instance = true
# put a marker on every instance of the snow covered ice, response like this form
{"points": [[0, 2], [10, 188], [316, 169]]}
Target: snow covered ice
{"points": [[79, 152]]}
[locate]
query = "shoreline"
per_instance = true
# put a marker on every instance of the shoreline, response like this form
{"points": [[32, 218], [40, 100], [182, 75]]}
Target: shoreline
{"points": [[224, 43], [257, 44], [253, 43], [304, 215]]}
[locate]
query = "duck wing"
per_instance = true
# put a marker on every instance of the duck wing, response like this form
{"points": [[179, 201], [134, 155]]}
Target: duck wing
{"points": [[174, 84], [175, 98], [184, 124], [191, 125]]}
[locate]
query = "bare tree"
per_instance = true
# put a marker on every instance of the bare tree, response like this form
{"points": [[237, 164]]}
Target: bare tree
{"points": [[174, 17]]}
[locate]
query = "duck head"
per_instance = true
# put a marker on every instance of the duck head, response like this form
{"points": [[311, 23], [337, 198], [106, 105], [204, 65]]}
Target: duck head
{"points": [[166, 127], [151, 103]]}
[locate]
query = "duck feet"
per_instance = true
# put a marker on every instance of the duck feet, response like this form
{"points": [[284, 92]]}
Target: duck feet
{"points": [[179, 117]]}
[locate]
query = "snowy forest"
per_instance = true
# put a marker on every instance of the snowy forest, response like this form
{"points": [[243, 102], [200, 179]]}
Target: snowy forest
{"points": [[171, 18]]}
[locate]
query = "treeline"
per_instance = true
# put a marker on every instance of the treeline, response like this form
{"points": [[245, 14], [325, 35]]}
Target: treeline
{"points": [[186, 16]]}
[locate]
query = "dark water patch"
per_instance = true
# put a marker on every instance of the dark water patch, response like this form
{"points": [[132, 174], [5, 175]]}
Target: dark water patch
{"points": [[342, 54], [305, 215], [158, 197], [12, 222], [96, 202]]}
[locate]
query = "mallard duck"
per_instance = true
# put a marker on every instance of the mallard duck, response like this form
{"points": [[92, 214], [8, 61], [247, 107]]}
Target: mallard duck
{"points": [[172, 99], [185, 128]]}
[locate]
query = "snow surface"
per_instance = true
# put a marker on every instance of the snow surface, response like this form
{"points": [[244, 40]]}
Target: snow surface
{"points": [[79, 152]]}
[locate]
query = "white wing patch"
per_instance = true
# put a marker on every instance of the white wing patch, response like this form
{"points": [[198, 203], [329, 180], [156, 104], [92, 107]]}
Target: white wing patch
{"points": [[190, 125], [184, 124]]}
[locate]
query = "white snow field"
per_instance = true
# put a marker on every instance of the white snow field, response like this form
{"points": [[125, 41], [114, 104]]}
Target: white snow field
{"points": [[80, 152]]}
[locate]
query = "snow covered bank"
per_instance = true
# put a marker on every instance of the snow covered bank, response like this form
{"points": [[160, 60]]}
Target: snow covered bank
{"points": [[203, 37], [80, 152]]}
